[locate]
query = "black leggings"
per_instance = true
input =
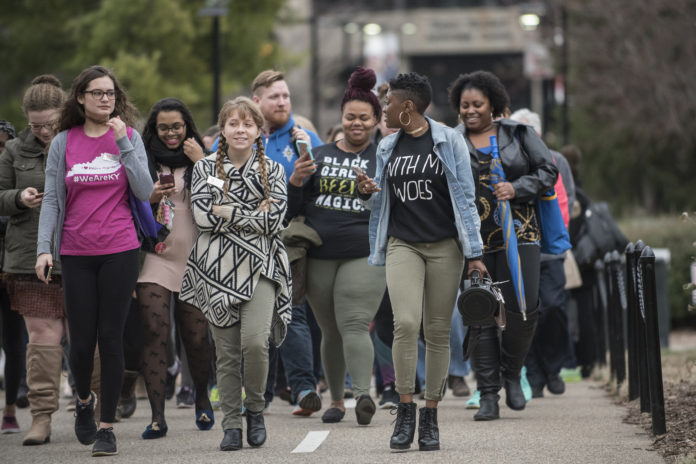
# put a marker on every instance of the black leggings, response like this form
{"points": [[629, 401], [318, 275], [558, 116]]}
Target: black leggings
{"points": [[98, 291], [133, 338], [384, 321], [497, 266], [13, 345]]}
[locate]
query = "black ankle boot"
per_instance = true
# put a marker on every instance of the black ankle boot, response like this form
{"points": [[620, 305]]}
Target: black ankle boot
{"points": [[232, 441], [428, 432], [514, 396], [517, 338], [256, 429], [405, 426], [127, 402], [488, 409]]}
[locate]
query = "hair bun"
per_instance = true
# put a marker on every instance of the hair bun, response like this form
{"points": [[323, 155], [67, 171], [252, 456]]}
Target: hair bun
{"points": [[362, 78], [47, 79]]}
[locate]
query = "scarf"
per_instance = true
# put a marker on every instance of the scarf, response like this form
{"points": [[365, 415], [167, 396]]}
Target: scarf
{"points": [[160, 155]]}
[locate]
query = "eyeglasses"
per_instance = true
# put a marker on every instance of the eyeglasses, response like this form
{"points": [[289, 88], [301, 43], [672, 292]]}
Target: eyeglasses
{"points": [[176, 127], [47, 125], [98, 94]]}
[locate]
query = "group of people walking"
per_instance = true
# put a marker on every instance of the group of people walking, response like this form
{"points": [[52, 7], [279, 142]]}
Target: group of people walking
{"points": [[253, 235]]}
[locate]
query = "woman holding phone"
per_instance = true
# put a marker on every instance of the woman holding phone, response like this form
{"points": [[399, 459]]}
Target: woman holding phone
{"points": [[343, 290], [423, 225], [22, 175], [173, 146], [93, 165]]}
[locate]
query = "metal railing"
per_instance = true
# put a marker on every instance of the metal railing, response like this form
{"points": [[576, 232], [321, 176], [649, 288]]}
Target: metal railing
{"points": [[628, 324], [635, 298]]}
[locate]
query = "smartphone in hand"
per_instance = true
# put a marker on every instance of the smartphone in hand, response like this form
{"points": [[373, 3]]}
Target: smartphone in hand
{"points": [[48, 270], [303, 148], [166, 179]]}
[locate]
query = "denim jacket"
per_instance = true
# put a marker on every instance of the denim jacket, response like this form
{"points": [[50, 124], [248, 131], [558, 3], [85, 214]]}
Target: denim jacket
{"points": [[453, 153]]}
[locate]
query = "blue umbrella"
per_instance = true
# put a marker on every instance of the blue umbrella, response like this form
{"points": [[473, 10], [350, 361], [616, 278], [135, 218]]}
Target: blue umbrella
{"points": [[509, 235]]}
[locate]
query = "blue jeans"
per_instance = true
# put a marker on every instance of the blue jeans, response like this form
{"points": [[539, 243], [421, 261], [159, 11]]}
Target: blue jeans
{"points": [[458, 366], [296, 353], [551, 341]]}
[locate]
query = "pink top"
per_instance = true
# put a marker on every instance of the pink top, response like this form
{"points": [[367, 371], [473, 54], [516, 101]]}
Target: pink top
{"points": [[98, 219]]}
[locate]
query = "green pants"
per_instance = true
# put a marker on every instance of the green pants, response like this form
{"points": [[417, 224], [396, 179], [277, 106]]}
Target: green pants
{"points": [[345, 295], [422, 279], [247, 339]]}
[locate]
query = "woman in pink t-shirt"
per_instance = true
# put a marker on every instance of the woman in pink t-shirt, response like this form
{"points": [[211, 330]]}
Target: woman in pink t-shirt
{"points": [[94, 164]]}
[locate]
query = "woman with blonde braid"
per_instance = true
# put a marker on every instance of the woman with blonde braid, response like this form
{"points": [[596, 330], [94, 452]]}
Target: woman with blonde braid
{"points": [[238, 273]]}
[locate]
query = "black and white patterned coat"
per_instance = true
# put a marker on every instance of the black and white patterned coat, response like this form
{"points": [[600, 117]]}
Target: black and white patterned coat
{"points": [[233, 251]]}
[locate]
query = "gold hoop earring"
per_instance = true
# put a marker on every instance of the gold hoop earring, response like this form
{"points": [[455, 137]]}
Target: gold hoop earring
{"points": [[405, 123]]}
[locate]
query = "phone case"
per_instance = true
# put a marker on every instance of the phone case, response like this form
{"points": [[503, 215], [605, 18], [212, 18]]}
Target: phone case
{"points": [[166, 178], [304, 145]]}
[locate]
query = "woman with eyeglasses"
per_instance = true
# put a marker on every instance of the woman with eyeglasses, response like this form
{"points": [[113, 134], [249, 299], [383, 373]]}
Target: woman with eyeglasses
{"points": [[22, 172], [173, 145], [86, 223]]}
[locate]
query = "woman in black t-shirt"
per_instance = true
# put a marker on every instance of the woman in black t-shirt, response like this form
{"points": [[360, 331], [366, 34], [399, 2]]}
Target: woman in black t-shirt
{"points": [[480, 97], [343, 290], [423, 224]]}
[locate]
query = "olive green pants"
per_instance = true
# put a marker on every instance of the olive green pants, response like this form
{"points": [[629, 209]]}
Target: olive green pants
{"points": [[422, 279], [344, 295], [248, 339]]}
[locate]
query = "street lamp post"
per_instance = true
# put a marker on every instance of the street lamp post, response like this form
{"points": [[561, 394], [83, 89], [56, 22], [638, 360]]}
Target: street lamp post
{"points": [[564, 71], [314, 63], [215, 9]]}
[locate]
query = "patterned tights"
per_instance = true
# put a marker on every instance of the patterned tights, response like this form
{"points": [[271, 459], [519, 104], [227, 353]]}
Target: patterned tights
{"points": [[191, 325]]}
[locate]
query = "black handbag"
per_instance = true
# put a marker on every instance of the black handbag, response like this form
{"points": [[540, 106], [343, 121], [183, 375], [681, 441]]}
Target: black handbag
{"points": [[599, 235], [481, 303]]}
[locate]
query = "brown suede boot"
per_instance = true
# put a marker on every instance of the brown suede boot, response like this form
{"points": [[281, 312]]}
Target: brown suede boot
{"points": [[44, 364], [95, 383]]}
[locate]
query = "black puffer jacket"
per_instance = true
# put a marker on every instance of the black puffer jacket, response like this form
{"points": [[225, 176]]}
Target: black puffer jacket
{"points": [[526, 160]]}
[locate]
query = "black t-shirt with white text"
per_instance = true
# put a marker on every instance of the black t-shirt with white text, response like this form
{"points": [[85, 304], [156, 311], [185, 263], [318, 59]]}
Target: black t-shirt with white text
{"points": [[421, 206], [329, 200]]}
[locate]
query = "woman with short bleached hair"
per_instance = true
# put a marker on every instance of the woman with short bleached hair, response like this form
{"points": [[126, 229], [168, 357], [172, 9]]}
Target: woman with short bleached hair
{"points": [[423, 226]]}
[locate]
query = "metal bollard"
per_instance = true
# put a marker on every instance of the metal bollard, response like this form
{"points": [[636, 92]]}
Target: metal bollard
{"points": [[600, 320], [649, 294], [643, 385], [617, 312], [632, 324], [608, 314]]}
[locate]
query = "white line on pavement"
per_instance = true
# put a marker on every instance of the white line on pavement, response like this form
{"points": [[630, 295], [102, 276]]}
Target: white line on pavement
{"points": [[312, 441]]}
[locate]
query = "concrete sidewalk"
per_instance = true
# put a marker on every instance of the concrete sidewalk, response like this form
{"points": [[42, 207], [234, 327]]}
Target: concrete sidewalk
{"points": [[582, 426]]}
